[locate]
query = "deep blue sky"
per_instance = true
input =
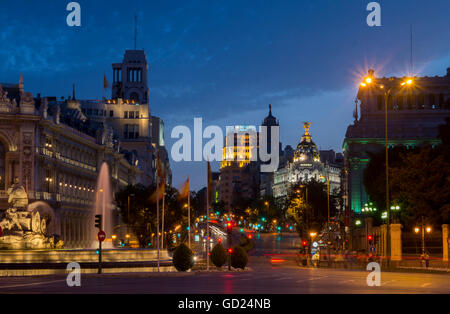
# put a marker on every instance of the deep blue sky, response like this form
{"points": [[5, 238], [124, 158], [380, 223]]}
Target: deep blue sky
{"points": [[226, 61]]}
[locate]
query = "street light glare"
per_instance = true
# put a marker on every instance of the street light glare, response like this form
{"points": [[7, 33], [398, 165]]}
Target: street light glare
{"points": [[368, 80]]}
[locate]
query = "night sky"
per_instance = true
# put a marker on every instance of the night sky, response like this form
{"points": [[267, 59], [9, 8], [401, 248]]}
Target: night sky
{"points": [[226, 61]]}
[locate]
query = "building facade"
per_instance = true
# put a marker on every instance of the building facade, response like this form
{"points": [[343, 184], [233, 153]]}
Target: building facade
{"points": [[414, 114], [239, 169], [308, 163], [56, 153]]}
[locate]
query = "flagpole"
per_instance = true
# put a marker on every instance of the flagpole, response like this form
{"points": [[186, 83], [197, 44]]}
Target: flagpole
{"points": [[189, 214], [162, 226], [157, 214], [207, 219]]}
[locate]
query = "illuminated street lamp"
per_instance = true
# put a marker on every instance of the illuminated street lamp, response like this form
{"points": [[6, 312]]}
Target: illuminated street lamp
{"points": [[387, 92], [427, 229]]}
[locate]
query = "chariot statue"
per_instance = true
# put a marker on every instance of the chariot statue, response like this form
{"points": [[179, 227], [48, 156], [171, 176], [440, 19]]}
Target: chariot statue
{"points": [[22, 228]]}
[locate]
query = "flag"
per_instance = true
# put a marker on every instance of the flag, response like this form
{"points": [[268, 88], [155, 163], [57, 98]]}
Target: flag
{"points": [[105, 82], [184, 190], [159, 167], [160, 192], [162, 180]]}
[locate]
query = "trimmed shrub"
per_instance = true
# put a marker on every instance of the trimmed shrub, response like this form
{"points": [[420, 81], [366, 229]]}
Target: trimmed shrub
{"points": [[246, 243], [239, 257], [183, 259], [219, 255]]}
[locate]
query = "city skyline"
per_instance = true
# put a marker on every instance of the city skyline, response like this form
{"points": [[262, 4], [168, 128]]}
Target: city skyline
{"points": [[232, 77]]}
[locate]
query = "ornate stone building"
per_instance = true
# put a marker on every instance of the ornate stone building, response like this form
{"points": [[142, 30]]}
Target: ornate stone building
{"points": [[308, 163], [414, 114], [56, 152]]}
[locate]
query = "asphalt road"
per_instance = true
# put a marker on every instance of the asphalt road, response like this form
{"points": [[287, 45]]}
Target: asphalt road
{"points": [[263, 277]]}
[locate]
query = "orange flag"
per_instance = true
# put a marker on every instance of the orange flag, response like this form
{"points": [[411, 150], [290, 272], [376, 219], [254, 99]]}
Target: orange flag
{"points": [[161, 190], [105, 82], [184, 190]]}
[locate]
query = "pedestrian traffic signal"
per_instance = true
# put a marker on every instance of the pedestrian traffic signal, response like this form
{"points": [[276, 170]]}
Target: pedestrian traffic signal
{"points": [[98, 221]]}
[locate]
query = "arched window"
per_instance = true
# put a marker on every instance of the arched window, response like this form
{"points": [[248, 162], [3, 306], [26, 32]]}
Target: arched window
{"points": [[134, 96], [2, 166]]}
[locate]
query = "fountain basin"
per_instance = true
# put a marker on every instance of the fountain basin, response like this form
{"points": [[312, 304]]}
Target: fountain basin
{"points": [[80, 256]]}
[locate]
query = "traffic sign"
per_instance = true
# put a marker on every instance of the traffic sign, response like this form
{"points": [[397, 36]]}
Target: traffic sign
{"points": [[101, 236], [372, 249]]}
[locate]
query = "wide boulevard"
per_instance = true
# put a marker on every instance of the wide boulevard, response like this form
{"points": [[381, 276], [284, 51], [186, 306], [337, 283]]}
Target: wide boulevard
{"points": [[263, 276]]}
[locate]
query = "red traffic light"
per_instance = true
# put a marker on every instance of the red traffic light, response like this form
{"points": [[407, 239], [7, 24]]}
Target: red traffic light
{"points": [[219, 240], [304, 243], [230, 251], [370, 237], [249, 236], [229, 225]]}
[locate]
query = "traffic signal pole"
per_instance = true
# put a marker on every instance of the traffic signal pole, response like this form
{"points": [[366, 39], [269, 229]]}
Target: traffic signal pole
{"points": [[99, 257], [229, 244], [98, 224]]}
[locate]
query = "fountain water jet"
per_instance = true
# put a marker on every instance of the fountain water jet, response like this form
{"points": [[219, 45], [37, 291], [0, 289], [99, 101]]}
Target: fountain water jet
{"points": [[103, 202]]}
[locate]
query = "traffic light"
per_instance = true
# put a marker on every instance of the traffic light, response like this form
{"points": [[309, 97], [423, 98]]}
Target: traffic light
{"points": [[229, 225], [98, 221], [370, 238], [305, 243], [230, 251]]}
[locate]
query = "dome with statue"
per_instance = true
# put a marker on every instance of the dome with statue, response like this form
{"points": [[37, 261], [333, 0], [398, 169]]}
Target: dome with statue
{"points": [[307, 151]]}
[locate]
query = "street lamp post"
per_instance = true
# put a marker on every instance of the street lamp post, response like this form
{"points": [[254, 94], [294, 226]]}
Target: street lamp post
{"points": [[328, 220], [423, 229], [387, 92]]}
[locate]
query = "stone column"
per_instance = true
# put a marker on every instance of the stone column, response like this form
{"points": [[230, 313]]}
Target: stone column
{"points": [[383, 242], [396, 242], [445, 244]]}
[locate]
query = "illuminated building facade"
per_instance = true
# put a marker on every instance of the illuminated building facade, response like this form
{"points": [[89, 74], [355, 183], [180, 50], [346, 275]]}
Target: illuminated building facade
{"points": [[308, 163], [239, 169], [56, 153], [414, 114], [130, 78]]}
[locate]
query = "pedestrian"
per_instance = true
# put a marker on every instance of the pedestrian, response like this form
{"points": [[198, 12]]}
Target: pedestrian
{"points": [[427, 260]]}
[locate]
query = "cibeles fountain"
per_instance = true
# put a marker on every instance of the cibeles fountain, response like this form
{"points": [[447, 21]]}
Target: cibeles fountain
{"points": [[27, 226], [30, 236]]}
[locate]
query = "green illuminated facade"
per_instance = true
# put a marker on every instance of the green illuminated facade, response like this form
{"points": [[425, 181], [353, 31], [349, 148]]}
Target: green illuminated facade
{"points": [[414, 114]]}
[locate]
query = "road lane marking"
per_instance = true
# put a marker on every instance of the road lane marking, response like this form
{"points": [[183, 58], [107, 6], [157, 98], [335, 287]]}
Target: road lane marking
{"points": [[312, 279], [386, 282], [283, 278], [32, 284]]}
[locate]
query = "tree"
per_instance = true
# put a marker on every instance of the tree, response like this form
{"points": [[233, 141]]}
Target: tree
{"points": [[141, 215], [374, 176], [421, 186], [310, 215]]}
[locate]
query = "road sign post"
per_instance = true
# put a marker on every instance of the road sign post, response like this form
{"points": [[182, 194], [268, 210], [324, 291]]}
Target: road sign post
{"points": [[101, 237]]}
